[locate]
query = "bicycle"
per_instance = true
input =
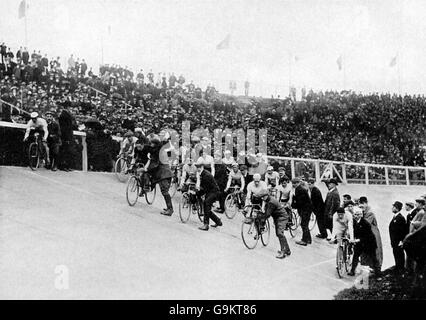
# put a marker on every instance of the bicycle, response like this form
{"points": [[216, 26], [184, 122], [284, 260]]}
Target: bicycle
{"points": [[189, 203], [296, 218], [136, 187], [233, 202], [251, 229], [121, 166], [35, 152], [344, 256], [174, 185]]}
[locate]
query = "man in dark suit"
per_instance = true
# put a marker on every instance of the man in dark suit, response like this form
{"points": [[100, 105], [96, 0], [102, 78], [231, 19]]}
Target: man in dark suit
{"points": [[206, 184], [365, 242], [303, 204], [317, 207], [332, 203], [397, 232]]}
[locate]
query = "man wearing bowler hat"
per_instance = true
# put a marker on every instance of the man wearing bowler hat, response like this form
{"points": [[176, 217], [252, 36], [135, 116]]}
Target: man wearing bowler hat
{"points": [[332, 203], [303, 204], [397, 232]]}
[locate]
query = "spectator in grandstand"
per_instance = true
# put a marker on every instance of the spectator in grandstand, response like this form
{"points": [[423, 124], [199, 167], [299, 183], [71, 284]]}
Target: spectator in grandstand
{"points": [[332, 203], [370, 217], [303, 204]]}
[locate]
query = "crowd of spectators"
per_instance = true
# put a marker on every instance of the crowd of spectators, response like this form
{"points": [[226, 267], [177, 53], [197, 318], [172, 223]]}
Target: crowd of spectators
{"points": [[342, 126]]}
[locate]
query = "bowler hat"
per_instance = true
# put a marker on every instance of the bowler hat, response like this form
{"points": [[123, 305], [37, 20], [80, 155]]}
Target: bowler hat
{"points": [[397, 205]]}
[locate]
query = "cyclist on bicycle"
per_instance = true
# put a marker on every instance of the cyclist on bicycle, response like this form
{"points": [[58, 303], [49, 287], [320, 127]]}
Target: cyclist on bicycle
{"points": [[271, 178], [342, 226], [254, 188], [276, 210], [128, 143], [38, 125], [235, 178], [285, 194], [189, 172]]}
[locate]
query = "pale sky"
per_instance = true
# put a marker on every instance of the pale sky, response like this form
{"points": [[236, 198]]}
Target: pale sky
{"points": [[180, 36]]}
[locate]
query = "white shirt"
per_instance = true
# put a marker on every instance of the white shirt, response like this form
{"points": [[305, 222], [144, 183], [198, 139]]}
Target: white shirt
{"points": [[39, 124]]}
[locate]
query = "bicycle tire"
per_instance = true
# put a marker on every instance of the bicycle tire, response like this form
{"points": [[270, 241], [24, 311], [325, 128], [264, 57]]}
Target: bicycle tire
{"points": [[340, 263], [348, 257], [33, 156], [295, 222], [249, 231], [312, 222], [150, 195], [184, 206], [119, 165], [173, 187], [265, 236], [230, 206], [200, 212], [132, 187]]}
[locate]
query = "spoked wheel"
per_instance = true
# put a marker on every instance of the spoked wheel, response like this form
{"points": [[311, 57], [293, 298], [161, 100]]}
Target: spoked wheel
{"points": [[249, 233], [295, 220], [33, 156], [197, 207], [150, 195], [349, 255], [132, 191], [120, 169], [185, 208], [173, 187], [312, 222], [231, 207], [266, 234], [340, 263]]}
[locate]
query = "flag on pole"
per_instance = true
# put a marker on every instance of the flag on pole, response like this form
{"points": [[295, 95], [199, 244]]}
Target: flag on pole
{"points": [[393, 61], [22, 9], [224, 44], [340, 62]]}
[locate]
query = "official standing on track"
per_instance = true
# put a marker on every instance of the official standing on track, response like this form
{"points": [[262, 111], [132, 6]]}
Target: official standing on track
{"points": [[303, 204], [332, 203], [276, 210], [207, 185]]}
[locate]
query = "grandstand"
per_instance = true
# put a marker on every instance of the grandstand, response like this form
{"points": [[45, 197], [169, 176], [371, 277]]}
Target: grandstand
{"points": [[374, 144]]}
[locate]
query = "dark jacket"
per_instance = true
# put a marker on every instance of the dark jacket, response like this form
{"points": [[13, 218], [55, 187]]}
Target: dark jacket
{"points": [[317, 201], [157, 168], [221, 176], [363, 232], [208, 183], [275, 209], [397, 230], [301, 200], [65, 120], [332, 203], [54, 132]]}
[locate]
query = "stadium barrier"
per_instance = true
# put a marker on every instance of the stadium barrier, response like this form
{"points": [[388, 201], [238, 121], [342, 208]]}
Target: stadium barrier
{"points": [[11, 142], [350, 172]]}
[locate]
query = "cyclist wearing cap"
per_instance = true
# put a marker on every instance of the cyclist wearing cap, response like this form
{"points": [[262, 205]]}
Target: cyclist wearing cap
{"points": [[189, 173], [235, 177], [276, 210], [271, 177], [254, 188], [38, 125], [128, 143]]}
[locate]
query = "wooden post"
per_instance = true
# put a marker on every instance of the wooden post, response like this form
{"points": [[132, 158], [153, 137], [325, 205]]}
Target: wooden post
{"points": [[387, 175], [84, 155], [366, 175], [293, 173], [345, 181], [407, 176], [317, 171]]}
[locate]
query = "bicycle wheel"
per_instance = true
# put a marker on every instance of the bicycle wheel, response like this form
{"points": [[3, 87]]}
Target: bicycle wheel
{"points": [[132, 191], [294, 220], [33, 156], [150, 195], [120, 168], [173, 187], [340, 263], [185, 208], [231, 207], [249, 233], [312, 222], [199, 210], [266, 234], [349, 252]]}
